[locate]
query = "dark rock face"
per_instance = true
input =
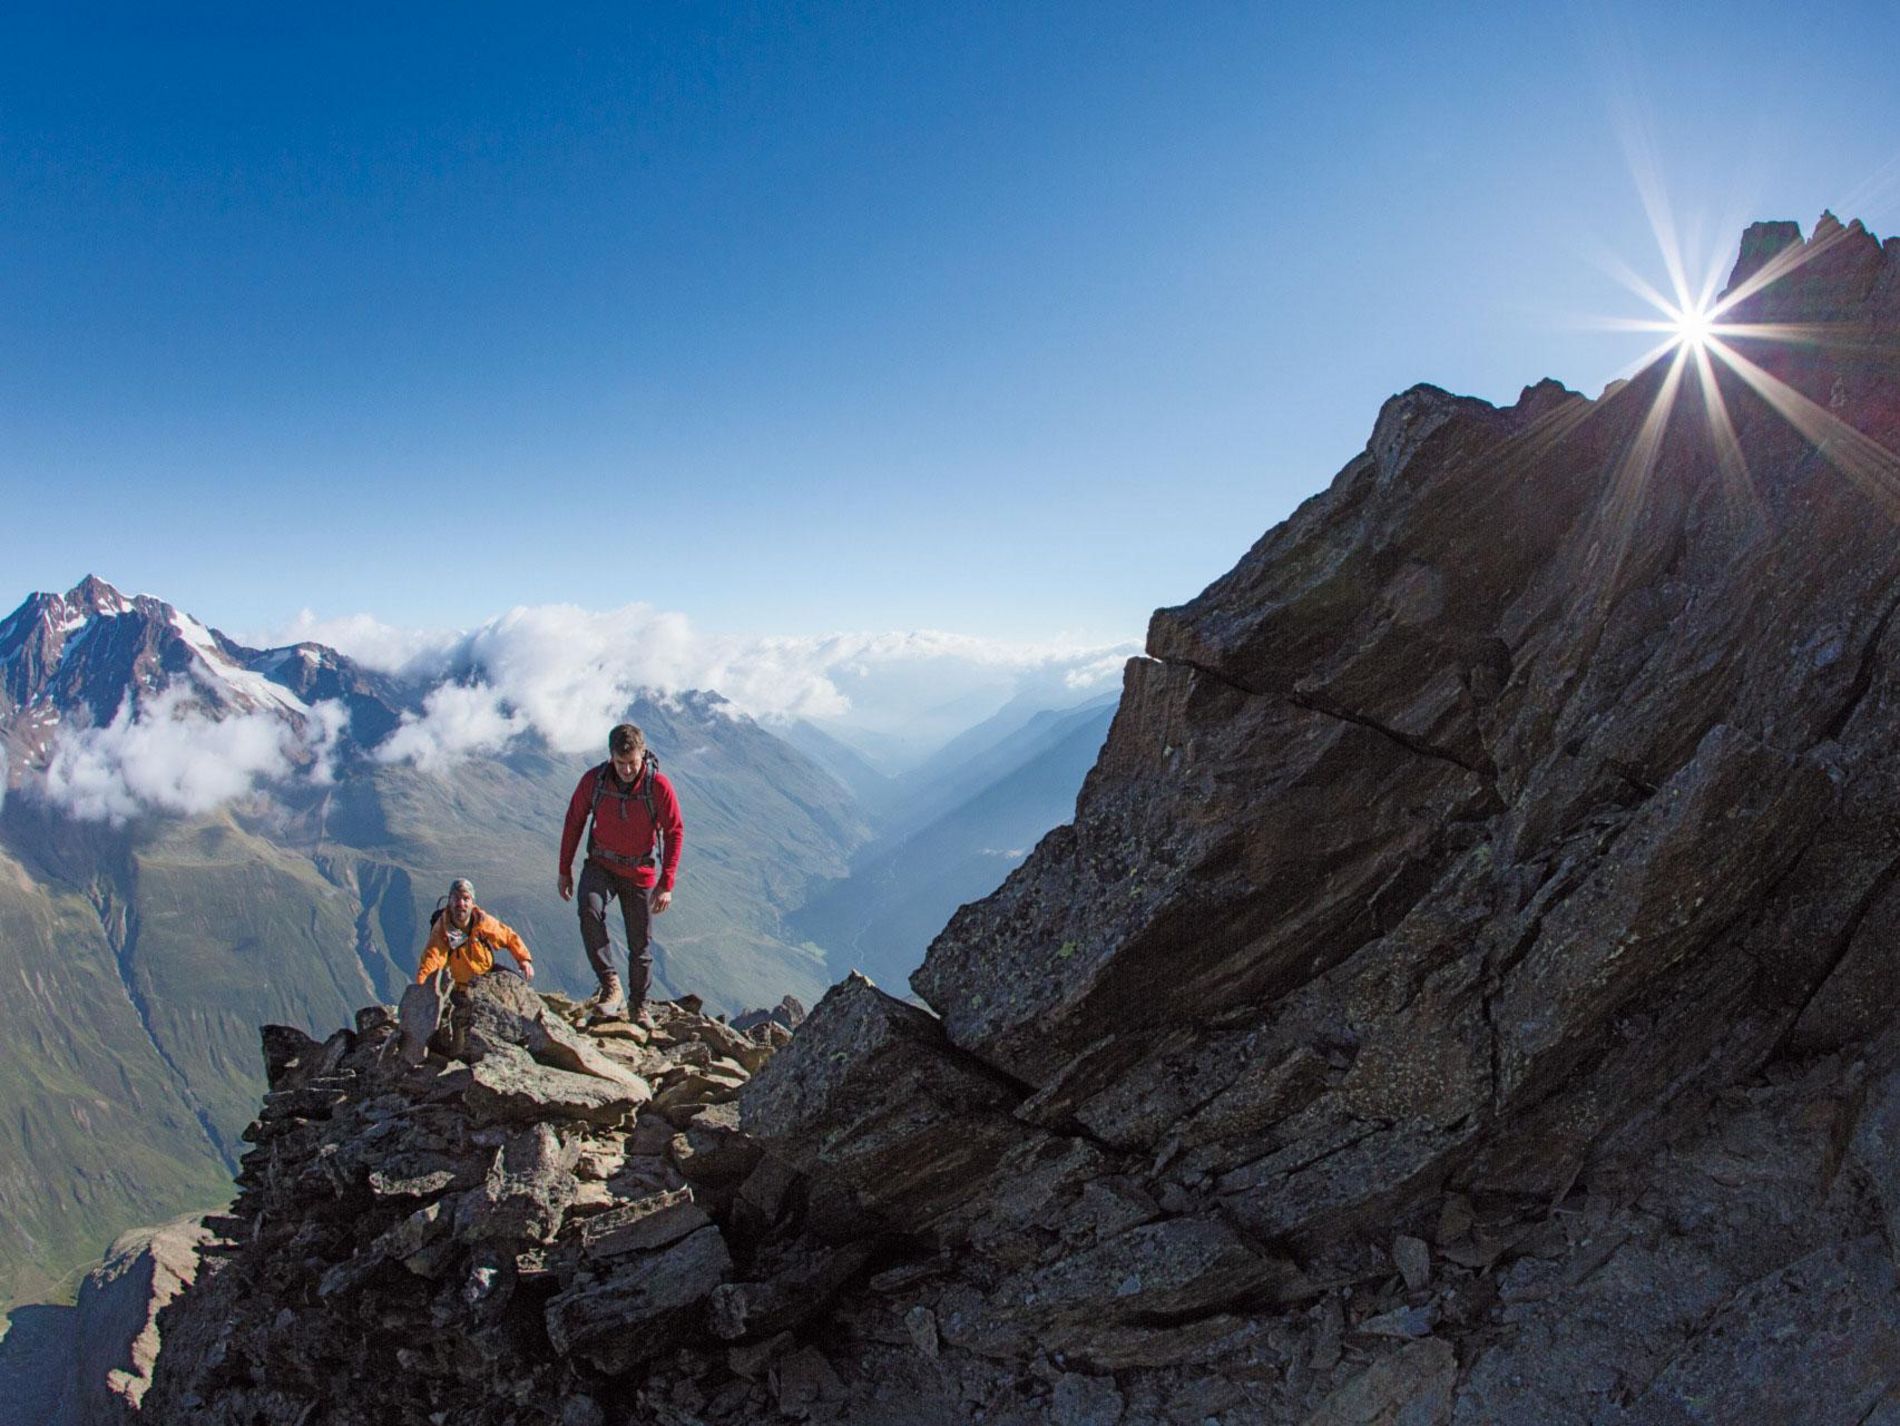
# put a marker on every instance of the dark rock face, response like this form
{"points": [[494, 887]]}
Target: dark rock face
{"points": [[1496, 808], [928, 1124], [1465, 995]]}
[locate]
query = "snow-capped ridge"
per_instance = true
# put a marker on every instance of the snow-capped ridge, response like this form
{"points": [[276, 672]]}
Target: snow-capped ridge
{"points": [[111, 705], [247, 685]]}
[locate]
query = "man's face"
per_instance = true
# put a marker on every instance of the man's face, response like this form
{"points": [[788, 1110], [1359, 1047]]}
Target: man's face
{"points": [[461, 904], [627, 765]]}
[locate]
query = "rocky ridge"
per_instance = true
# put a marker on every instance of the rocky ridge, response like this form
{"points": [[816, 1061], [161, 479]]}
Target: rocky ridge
{"points": [[1465, 995], [432, 1183]]}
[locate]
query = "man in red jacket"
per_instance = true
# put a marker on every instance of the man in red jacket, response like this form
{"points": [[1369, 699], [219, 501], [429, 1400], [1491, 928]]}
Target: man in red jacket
{"points": [[633, 854]]}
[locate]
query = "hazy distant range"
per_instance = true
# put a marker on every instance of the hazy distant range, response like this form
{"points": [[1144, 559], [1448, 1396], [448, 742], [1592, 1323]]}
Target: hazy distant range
{"points": [[946, 832]]}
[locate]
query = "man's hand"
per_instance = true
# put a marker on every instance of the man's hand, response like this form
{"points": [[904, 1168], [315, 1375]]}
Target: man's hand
{"points": [[660, 900], [566, 886], [527, 971]]}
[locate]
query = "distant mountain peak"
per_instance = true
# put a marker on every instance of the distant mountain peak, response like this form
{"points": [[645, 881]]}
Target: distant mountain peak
{"points": [[64, 614], [94, 596], [77, 659]]}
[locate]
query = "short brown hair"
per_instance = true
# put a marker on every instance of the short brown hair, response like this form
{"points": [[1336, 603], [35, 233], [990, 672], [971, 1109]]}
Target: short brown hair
{"points": [[626, 738]]}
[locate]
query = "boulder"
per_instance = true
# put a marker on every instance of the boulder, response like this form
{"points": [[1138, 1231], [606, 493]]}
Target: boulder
{"points": [[643, 1307], [642, 1225], [788, 1015], [871, 1093], [506, 1085], [1412, 1386], [286, 1048], [713, 1149], [526, 1192], [803, 1284], [503, 1009]]}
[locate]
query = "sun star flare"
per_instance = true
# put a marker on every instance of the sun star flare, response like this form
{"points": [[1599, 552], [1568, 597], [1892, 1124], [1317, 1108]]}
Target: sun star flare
{"points": [[1694, 326], [1696, 335]]}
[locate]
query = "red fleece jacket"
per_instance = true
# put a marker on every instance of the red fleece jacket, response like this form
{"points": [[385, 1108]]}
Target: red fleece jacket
{"points": [[622, 826]]}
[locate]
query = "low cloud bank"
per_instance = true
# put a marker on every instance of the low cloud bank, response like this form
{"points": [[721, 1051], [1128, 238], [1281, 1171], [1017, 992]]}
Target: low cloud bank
{"points": [[169, 756], [567, 673], [363, 637]]}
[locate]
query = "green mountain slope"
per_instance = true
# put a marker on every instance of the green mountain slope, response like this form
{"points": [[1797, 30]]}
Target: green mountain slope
{"points": [[145, 957], [96, 1131]]}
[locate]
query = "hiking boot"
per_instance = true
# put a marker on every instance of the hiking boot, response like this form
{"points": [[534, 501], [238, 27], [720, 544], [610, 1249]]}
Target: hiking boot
{"points": [[642, 1017], [610, 1001]]}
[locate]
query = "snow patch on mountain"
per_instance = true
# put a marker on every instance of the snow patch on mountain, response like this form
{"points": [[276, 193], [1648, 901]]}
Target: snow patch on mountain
{"points": [[247, 685]]}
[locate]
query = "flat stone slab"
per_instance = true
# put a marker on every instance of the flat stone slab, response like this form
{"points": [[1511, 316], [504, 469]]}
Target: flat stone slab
{"points": [[643, 1225], [507, 1085]]}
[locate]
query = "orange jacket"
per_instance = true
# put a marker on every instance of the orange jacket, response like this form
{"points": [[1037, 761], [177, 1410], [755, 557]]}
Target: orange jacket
{"points": [[476, 955]]}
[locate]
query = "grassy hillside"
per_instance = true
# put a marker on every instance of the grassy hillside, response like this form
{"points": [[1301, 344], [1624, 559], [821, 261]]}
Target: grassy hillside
{"points": [[96, 1129], [139, 962]]}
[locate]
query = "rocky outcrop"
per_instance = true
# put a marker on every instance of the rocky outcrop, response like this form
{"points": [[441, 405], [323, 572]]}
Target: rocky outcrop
{"points": [[1465, 995], [1515, 796], [90, 1364], [419, 1221], [117, 1338]]}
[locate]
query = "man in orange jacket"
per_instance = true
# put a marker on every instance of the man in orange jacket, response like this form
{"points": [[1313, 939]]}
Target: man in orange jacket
{"points": [[633, 856], [465, 938]]}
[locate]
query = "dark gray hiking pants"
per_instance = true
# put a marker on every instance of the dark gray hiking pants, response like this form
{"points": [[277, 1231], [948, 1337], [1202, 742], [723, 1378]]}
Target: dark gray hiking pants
{"points": [[598, 888]]}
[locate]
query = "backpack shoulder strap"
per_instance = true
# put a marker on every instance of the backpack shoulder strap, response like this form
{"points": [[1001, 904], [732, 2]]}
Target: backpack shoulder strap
{"points": [[646, 791], [599, 775], [481, 930]]}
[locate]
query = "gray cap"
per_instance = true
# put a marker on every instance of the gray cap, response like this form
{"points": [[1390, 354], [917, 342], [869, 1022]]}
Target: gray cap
{"points": [[461, 883]]}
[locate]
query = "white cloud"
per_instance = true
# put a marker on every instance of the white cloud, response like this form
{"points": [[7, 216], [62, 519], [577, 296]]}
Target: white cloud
{"points": [[457, 721], [368, 640], [569, 673], [170, 756], [322, 736]]}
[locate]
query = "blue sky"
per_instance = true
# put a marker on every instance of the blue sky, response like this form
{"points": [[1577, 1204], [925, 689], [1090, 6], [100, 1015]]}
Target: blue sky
{"points": [[1011, 320]]}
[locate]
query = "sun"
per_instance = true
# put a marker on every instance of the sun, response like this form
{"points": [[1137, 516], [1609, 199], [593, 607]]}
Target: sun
{"points": [[1699, 336], [1707, 338], [1694, 326]]}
